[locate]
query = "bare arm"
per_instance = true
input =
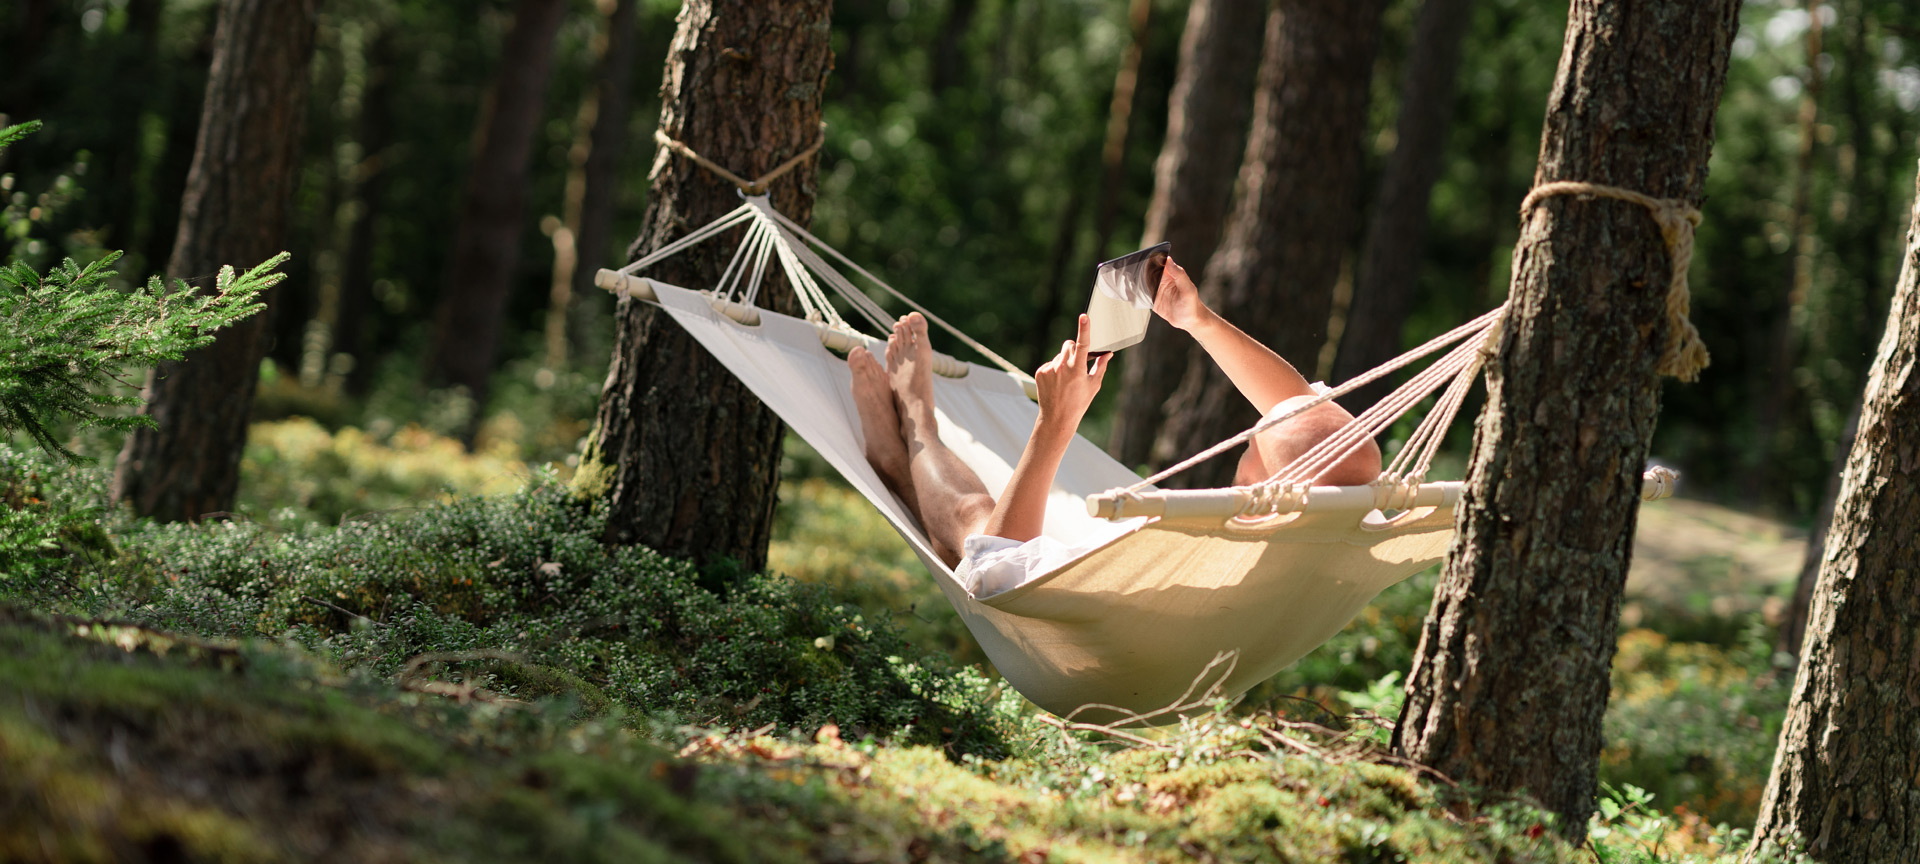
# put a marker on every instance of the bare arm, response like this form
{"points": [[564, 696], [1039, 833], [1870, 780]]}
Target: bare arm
{"points": [[1262, 376], [1067, 386]]}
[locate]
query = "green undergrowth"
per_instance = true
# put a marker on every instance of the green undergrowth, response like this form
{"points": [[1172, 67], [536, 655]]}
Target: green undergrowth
{"points": [[482, 664], [122, 742], [118, 743], [516, 593]]}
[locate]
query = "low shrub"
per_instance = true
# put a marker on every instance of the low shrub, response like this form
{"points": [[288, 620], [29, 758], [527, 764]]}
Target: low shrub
{"points": [[1694, 724], [525, 575], [296, 469]]}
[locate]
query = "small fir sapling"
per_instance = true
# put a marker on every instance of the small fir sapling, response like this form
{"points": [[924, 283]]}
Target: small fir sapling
{"points": [[67, 336]]}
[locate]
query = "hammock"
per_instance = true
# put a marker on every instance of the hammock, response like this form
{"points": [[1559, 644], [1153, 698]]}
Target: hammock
{"points": [[1215, 592]]}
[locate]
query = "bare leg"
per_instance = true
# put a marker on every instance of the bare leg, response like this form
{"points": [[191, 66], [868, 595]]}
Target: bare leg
{"points": [[880, 426], [953, 502]]}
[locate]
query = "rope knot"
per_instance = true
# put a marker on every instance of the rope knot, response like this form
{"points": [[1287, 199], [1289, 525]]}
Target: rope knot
{"points": [[1685, 354], [1122, 496], [754, 187], [1658, 482]]}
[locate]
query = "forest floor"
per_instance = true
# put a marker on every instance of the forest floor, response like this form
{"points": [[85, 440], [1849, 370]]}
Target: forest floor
{"points": [[1708, 559], [251, 691]]}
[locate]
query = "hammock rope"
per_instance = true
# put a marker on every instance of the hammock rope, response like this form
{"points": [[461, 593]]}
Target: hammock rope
{"points": [[771, 235], [1685, 354], [747, 187]]}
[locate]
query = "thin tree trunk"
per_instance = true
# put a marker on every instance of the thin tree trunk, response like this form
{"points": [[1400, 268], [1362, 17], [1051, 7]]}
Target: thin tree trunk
{"points": [[1843, 779], [1857, 247], [1793, 630], [1777, 389], [1509, 683], [353, 334], [185, 90], [946, 50], [140, 93], [486, 242], [1275, 271], [1113, 152], [1207, 116], [25, 41], [1389, 267], [687, 457], [235, 212], [1053, 289], [580, 243]]}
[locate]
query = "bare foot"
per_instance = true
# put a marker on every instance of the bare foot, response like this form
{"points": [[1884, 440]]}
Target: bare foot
{"points": [[880, 422], [910, 366]]}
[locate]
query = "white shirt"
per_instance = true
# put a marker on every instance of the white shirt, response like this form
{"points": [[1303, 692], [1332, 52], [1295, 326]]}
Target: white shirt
{"points": [[990, 565]]}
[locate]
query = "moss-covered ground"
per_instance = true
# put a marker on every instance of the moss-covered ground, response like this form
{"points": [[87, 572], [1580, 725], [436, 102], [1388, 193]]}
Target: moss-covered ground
{"points": [[475, 678]]}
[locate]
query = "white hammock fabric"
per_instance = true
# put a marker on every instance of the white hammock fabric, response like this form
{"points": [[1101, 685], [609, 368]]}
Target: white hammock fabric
{"points": [[1228, 585]]}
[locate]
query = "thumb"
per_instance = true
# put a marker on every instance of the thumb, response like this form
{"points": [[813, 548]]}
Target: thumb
{"points": [[1100, 367]]}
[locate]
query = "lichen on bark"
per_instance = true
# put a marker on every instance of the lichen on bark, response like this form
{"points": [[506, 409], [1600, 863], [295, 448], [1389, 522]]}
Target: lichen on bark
{"points": [[1510, 681]]}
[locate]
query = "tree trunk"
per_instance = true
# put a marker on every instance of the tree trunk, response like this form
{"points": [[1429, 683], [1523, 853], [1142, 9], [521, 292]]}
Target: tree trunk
{"points": [[1113, 150], [239, 189], [184, 86], [1275, 271], [687, 457], [354, 332], [486, 241], [946, 48], [586, 220], [1843, 779], [137, 68], [24, 40], [1793, 630], [1510, 680], [1857, 247], [1778, 392], [1390, 258], [1207, 117]]}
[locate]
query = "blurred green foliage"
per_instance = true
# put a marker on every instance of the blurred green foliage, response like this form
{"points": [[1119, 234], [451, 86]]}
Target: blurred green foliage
{"points": [[962, 165]]}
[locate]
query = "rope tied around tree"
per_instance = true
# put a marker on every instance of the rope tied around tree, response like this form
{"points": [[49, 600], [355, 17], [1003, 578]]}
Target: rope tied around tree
{"points": [[1685, 354], [749, 187]]}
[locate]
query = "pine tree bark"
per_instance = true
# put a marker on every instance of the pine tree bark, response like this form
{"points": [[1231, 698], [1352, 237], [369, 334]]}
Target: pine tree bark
{"points": [[1389, 268], [1510, 680], [1207, 117], [1275, 271], [239, 188], [687, 457], [486, 241], [1844, 778]]}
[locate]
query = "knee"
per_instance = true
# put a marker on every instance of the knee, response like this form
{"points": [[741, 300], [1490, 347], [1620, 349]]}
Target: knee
{"points": [[972, 511], [1294, 438]]}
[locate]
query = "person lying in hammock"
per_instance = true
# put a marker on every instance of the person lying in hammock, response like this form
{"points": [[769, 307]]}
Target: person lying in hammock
{"points": [[996, 545]]}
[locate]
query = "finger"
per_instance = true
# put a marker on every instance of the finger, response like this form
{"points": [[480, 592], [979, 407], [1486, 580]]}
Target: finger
{"points": [[1100, 368], [1086, 329]]}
